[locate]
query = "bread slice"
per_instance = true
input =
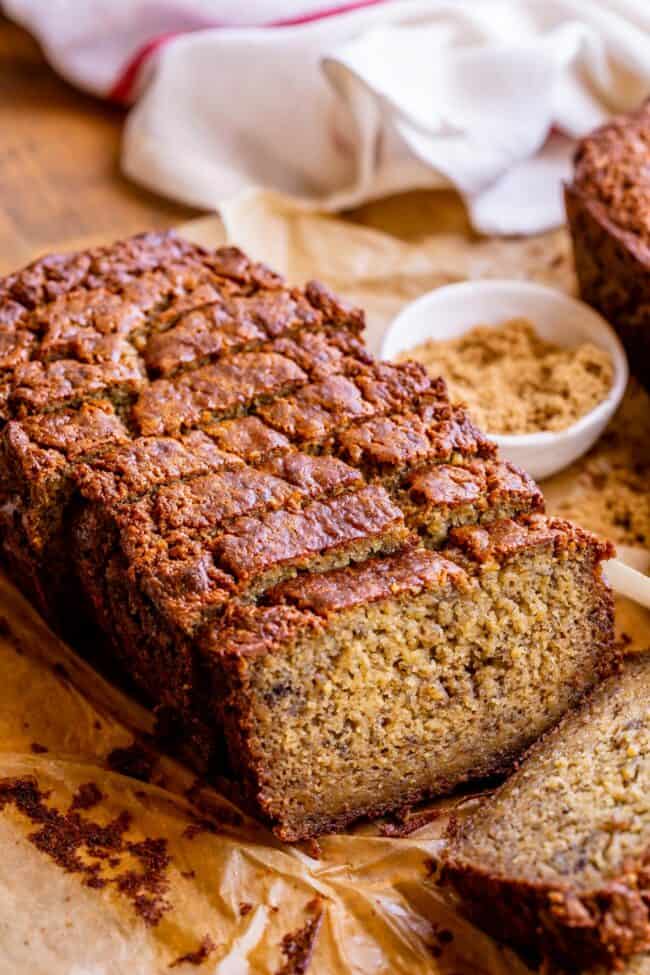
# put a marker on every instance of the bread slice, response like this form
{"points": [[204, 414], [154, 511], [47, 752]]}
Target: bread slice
{"points": [[558, 861], [348, 693]]}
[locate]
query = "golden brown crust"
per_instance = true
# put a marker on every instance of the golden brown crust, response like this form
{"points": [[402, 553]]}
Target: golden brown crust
{"points": [[212, 452], [608, 211], [603, 928], [123, 472], [43, 387], [406, 573], [39, 457], [491, 485], [223, 389], [314, 476], [56, 274], [229, 324], [434, 433], [611, 167], [505, 539], [251, 547], [249, 630], [249, 437]]}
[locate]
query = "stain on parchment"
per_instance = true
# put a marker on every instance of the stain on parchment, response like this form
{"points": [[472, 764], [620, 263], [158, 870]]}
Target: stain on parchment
{"points": [[83, 847], [298, 946], [136, 760], [197, 957], [86, 796]]}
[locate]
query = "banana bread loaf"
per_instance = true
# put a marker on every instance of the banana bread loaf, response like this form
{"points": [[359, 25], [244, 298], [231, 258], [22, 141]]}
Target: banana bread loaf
{"points": [[210, 464], [608, 210], [557, 860]]}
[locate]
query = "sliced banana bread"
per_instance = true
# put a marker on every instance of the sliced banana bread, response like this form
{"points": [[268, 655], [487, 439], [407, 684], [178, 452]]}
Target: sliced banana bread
{"points": [[208, 461], [557, 862]]}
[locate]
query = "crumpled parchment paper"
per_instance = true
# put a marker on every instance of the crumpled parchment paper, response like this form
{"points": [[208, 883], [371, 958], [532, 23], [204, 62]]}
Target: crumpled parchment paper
{"points": [[114, 858]]}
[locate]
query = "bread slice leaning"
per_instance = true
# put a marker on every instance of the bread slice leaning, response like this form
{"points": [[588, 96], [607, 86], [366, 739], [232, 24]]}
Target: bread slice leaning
{"points": [[557, 861]]}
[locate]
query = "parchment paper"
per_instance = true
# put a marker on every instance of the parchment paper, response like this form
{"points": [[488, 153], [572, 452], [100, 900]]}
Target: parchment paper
{"points": [[114, 859]]}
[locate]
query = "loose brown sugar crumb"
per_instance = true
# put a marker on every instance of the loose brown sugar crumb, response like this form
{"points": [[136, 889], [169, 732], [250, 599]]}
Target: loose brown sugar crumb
{"points": [[606, 491], [87, 795], [298, 946], [515, 382], [401, 825], [205, 949], [439, 940], [81, 846], [312, 848], [197, 827]]}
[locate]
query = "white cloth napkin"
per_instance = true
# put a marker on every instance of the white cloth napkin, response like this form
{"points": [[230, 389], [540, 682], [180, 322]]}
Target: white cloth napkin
{"points": [[338, 106]]}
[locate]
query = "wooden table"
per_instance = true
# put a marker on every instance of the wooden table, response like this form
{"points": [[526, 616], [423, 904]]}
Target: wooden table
{"points": [[60, 183]]}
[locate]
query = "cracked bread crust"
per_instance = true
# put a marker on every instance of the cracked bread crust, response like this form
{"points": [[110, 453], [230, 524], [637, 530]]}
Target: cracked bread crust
{"points": [[224, 389], [124, 472], [44, 387], [433, 432], [457, 485], [611, 166], [573, 922], [229, 324], [608, 210], [505, 539], [248, 437], [444, 496], [253, 458], [257, 551], [38, 460], [56, 274], [411, 570], [603, 928]]}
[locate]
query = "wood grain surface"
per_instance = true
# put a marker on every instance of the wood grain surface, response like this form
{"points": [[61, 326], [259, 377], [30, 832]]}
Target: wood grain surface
{"points": [[60, 184]]}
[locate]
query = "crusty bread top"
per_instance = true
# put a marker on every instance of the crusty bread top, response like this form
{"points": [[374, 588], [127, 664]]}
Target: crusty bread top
{"points": [[506, 539], [312, 600], [611, 167], [233, 431], [453, 486]]}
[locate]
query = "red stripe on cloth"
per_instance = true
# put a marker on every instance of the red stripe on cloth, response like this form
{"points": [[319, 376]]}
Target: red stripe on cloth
{"points": [[344, 8], [123, 88]]}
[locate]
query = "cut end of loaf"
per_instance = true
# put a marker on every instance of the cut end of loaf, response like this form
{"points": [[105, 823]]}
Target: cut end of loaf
{"points": [[349, 690]]}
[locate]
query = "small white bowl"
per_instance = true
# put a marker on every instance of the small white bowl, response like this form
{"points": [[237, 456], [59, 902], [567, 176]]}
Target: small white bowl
{"points": [[448, 312]]}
